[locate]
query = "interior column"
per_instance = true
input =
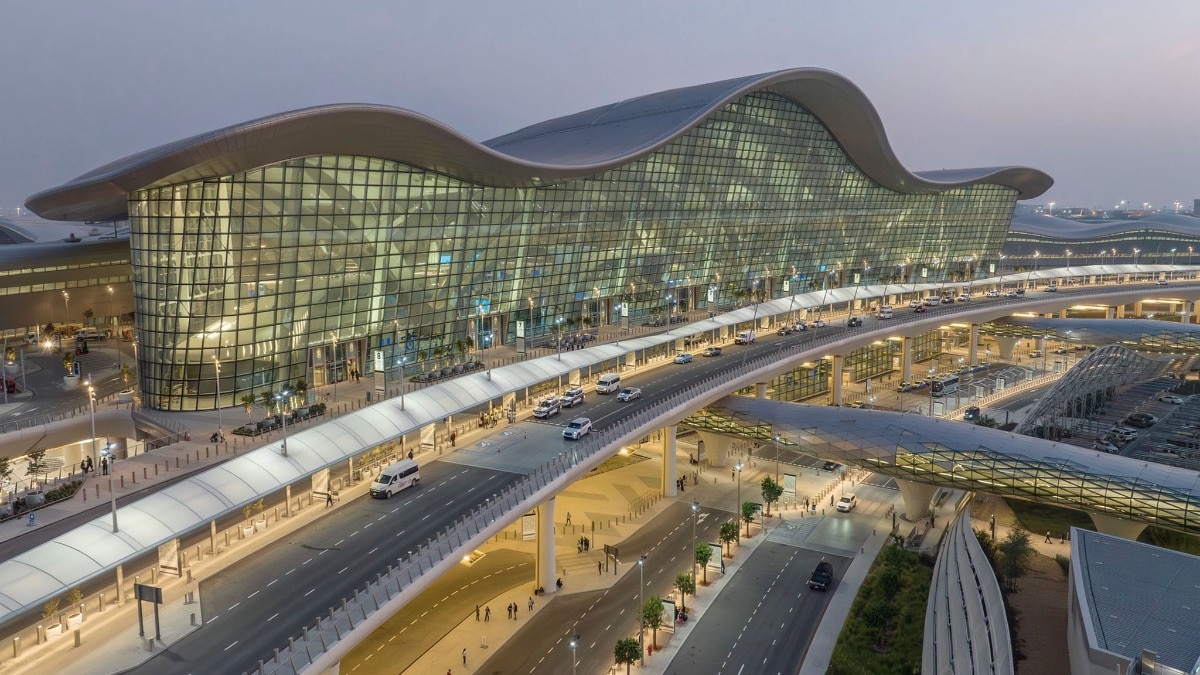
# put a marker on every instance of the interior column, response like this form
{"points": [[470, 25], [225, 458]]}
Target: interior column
{"points": [[669, 473], [546, 565]]}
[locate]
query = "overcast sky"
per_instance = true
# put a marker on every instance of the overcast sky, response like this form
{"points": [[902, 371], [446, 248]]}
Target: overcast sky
{"points": [[1103, 95]]}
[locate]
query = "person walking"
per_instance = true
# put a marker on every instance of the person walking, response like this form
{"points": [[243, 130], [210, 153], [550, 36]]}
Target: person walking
{"points": [[476, 612], [487, 613], [453, 437], [329, 499], [531, 603], [510, 610], [104, 465], [568, 517], [600, 567], [464, 656], [1048, 537]]}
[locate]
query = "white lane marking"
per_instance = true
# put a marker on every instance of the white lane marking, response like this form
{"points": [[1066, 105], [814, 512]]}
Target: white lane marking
{"points": [[232, 606], [309, 593], [273, 616], [231, 645], [253, 594], [343, 569], [272, 581]]}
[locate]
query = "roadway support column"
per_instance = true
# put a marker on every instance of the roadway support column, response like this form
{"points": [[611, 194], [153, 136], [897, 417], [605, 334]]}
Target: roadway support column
{"points": [[120, 584], [1062, 313], [973, 347], [760, 389], [1185, 311], [669, 473], [916, 498], [1137, 310], [1120, 311], [1110, 312], [906, 359], [1117, 527], [1006, 344], [716, 448], [546, 565], [836, 385]]}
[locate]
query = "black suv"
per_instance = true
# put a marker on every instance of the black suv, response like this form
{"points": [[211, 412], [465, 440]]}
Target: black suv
{"points": [[1141, 420], [971, 414], [821, 577], [853, 322]]}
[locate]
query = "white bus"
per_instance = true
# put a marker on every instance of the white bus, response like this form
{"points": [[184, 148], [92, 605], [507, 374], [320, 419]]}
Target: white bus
{"points": [[945, 385], [396, 477]]}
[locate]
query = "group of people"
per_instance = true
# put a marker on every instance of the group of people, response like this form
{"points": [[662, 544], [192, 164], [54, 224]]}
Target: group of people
{"points": [[217, 437], [585, 544], [88, 466]]}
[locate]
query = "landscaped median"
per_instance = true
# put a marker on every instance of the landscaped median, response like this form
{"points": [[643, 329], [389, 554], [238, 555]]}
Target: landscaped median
{"points": [[886, 626]]}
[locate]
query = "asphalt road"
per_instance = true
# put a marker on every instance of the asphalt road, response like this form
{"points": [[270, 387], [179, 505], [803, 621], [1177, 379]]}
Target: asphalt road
{"points": [[602, 617], [252, 607], [763, 620]]}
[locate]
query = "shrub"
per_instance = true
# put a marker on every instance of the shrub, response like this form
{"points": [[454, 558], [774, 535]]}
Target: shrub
{"points": [[50, 608], [1064, 562]]}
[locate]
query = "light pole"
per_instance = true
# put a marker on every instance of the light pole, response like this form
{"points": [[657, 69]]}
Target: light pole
{"points": [[67, 304], [220, 425], [1136, 252], [333, 367], [92, 411], [737, 512], [558, 342], [641, 609], [932, 370], [1069, 254], [695, 510], [282, 397], [116, 327], [574, 646]]}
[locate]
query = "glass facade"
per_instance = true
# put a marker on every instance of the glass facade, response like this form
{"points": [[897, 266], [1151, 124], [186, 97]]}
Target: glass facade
{"points": [[294, 271]]}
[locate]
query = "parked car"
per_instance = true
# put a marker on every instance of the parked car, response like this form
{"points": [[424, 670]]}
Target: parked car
{"points": [[821, 577], [904, 386], [548, 408], [577, 428], [831, 466], [992, 294], [914, 303], [1105, 446], [629, 394], [1124, 433], [1171, 398], [572, 397], [1035, 354], [712, 351], [1141, 420], [683, 357], [847, 503], [853, 322]]}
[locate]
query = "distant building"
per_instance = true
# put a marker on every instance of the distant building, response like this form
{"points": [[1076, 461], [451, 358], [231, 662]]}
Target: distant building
{"points": [[1131, 607]]}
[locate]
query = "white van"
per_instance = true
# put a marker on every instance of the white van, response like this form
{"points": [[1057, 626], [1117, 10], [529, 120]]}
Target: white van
{"points": [[933, 301], [89, 334], [885, 312], [744, 338], [395, 478], [609, 383]]}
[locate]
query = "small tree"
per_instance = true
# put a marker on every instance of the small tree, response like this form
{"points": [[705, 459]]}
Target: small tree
{"points": [[1015, 556], [74, 597], [652, 614], [703, 555], [686, 585], [301, 389], [87, 315], [126, 373], [50, 608], [748, 511], [771, 491], [10, 354], [248, 405], [6, 473], [627, 652], [69, 361], [35, 463], [268, 401], [728, 535]]}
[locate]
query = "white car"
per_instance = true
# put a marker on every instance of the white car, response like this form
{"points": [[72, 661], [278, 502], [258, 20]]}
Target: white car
{"points": [[572, 397], [1162, 282], [847, 503], [629, 393], [914, 303], [548, 408], [819, 323], [1171, 398], [577, 428], [683, 357], [1010, 294], [992, 294], [1105, 446]]}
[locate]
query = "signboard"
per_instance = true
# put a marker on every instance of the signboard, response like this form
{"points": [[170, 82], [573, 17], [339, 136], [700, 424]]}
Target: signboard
{"points": [[624, 310], [168, 557], [787, 286], [378, 359], [428, 437], [520, 329], [146, 593], [789, 484], [529, 526], [320, 482], [716, 564], [712, 294], [668, 617]]}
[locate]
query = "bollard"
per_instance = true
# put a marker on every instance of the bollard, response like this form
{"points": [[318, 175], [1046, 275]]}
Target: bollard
{"points": [[193, 618], [82, 612], [101, 609], [205, 453], [78, 640], [40, 633], [155, 468], [153, 575], [148, 644], [176, 463], [97, 490], [226, 538], [84, 493], [199, 557], [16, 648], [189, 575], [122, 481]]}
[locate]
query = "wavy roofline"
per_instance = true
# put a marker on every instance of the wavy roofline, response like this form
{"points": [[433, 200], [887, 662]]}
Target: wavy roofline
{"points": [[401, 135]]}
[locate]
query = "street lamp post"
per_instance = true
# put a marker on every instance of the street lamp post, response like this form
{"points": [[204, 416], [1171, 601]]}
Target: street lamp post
{"points": [[282, 397], [641, 609], [695, 510], [333, 367], [932, 370], [1136, 252], [220, 425], [92, 411], [737, 512], [574, 646], [116, 327], [67, 304]]}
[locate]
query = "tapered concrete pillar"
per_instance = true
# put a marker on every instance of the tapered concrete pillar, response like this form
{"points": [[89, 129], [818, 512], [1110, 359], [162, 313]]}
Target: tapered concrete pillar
{"points": [[1006, 344], [669, 474], [120, 581], [1062, 313], [1185, 311], [1110, 312], [1137, 310], [973, 345], [1120, 311], [546, 565], [917, 497], [1117, 527], [836, 385], [906, 359], [716, 448], [760, 389], [1040, 344]]}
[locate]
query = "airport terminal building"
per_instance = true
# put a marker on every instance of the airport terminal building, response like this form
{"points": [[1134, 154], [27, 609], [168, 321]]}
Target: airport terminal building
{"points": [[295, 246]]}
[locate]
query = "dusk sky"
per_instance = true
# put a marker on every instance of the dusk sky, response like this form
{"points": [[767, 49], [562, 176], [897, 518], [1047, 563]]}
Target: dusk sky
{"points": [[1102, 95]]}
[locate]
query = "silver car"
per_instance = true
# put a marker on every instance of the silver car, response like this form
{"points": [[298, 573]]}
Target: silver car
{"points": [[629, 394]]}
